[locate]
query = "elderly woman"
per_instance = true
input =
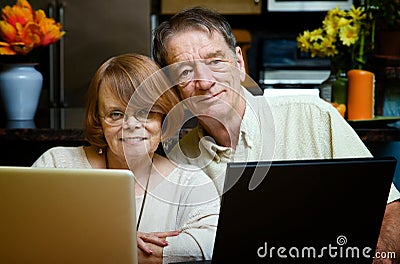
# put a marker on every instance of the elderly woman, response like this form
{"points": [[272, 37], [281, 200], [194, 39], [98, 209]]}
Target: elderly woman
{"points": [[177, 206]]}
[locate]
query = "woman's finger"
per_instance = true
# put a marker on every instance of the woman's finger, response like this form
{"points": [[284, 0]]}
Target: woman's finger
{"points": [[142, 245], [151, 238], [166, 234]]}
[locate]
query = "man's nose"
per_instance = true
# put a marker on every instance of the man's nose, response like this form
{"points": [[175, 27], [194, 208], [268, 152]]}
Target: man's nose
{"points": [[203, 77]]}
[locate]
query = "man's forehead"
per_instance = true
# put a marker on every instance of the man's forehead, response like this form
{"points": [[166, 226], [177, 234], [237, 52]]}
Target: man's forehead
{"points": [[189, 46]]}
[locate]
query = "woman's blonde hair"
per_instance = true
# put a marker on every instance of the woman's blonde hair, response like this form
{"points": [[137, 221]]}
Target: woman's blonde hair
{"points": [[122, 76]]}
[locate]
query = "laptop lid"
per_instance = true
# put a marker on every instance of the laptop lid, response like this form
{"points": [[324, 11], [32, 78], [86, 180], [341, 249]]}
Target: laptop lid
{"points": [[311, 211], [67, 216]]}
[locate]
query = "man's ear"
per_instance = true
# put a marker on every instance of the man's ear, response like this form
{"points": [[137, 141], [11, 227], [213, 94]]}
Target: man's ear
{"points": [[240, 63]]}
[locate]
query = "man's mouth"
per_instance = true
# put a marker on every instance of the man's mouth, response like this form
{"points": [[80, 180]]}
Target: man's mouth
{"points": [[205, 98]]}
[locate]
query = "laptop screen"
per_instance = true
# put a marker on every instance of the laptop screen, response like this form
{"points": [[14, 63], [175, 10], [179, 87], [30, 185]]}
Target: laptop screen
{"points": [[311, 211]]}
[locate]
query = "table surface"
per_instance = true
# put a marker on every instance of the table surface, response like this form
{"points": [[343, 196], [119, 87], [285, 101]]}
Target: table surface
{"points": [[21, 147], [41, 134], [379, 134]]}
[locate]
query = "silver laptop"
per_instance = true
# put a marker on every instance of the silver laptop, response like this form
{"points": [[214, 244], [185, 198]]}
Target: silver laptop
{"points": [[67, 216]]}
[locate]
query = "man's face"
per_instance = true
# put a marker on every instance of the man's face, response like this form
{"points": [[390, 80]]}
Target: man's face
{"points": [[207, 72]]}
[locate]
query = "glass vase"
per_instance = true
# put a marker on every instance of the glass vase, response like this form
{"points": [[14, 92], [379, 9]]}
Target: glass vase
{"points": [[339, 88], [325, 88], [334, 88]]}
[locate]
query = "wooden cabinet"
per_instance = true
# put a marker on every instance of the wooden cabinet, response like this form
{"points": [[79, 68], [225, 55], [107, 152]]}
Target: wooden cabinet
{"points": [[227, 7]]}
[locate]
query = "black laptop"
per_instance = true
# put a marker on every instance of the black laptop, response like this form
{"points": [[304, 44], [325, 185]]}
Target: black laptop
{"points": [[311, 211]]}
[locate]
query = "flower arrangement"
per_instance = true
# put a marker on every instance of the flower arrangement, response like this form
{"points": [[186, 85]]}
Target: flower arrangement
{"points": [[342, 36], [23, 29]]}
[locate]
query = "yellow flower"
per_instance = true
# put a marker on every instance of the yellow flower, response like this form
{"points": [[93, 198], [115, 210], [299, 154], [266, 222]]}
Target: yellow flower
{"points": [[316, 35], [328, 48], [23, 29], [357, 14], [339, 34], [349, 35]]}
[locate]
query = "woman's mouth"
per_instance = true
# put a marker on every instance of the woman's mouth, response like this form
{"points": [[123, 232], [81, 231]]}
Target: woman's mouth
{"points": [[133, 139]]}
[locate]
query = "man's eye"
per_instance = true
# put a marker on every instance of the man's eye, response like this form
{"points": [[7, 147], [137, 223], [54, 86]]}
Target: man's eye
{"points": [[218, 64], [185, 76], [215, 62], [185, 73]]}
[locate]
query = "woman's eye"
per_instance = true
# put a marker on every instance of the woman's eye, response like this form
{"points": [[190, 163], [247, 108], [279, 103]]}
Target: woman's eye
{"points": [[142, 113], [116, 115]]}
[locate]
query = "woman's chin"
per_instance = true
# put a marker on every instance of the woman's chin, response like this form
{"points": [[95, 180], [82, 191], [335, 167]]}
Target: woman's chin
{"points": [[137, 150]]}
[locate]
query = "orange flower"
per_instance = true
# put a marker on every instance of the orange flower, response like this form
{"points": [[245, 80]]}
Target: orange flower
{"points": [[7, 32], [51, 31], [23, 29], [20, 13], [5, 49]]}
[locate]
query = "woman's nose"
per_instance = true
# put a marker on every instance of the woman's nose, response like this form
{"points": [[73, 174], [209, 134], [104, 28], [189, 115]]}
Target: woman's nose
{"points": [[131, 122]]}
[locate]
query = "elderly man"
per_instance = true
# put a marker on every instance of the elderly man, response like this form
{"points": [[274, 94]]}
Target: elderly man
{"points": [[234, 125]]}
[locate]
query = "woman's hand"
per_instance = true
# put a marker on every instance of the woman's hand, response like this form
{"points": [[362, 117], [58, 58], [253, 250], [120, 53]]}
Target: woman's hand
{"points": [[156, 256], [156, 238]]}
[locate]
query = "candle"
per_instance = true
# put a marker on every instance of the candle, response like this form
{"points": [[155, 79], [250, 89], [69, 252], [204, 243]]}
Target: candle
{"points": [[360, 97]]}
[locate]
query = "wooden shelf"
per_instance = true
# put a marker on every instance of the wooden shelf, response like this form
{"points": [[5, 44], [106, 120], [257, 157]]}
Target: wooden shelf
{"points": [[227, 7]]}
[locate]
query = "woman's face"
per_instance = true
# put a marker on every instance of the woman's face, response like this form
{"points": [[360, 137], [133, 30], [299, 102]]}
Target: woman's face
{"points": [[133, 138]]}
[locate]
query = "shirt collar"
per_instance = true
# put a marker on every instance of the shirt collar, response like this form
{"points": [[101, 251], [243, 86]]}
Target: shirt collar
{"points": [[248, 129], [250, 123]]}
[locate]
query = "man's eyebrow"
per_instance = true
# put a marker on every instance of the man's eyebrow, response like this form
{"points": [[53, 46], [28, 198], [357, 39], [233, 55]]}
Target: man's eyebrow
{"points": [[176, 66], [218, 53]]}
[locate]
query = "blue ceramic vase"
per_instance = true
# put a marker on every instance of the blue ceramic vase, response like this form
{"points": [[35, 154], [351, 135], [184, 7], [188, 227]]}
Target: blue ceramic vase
{"points": [[20, 87]]}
